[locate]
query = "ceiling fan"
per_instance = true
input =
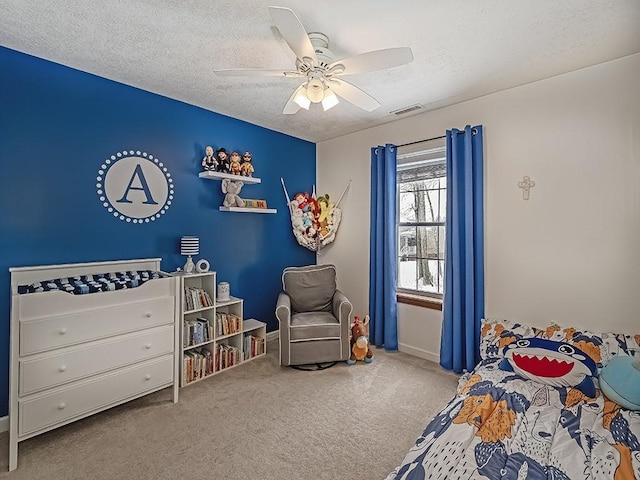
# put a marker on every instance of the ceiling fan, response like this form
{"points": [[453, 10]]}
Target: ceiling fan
{"points": [[316, 64]]}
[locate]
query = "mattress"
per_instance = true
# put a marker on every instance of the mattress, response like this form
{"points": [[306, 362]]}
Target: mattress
{"points": [[99, 282]]}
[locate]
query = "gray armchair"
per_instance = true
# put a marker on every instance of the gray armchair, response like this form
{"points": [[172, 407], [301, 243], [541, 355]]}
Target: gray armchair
{"points": [[314, 316]]}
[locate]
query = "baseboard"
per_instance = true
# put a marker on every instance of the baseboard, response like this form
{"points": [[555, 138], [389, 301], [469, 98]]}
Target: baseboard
{"points": [[419, 352], [4, 424], [273, 335]]}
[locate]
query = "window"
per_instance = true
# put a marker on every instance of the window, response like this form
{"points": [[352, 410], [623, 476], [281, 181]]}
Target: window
{"points": [[422, 201]]}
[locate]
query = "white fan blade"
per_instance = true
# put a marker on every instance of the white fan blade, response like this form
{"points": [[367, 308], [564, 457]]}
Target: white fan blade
{"points": [[376, 60], [353, 94], [255, 72], [292, 107], [293, 32]]}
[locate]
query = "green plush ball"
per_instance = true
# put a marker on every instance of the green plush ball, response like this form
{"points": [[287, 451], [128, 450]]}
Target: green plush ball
{"points": [[620, 381]]}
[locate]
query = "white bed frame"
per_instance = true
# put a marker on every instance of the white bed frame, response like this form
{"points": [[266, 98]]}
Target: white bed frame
{"points": [[124, 334]]}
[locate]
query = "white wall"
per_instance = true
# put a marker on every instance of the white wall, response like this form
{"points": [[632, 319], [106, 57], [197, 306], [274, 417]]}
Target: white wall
{"points": [[571, 253]]}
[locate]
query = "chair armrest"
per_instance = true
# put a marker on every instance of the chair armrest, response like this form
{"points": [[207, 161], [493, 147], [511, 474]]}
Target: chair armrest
{"points": [[283, 309], [342, 308], [283, 314]]}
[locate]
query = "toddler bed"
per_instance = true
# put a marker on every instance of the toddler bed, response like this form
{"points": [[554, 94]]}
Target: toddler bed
{"points": [[511, 423]]}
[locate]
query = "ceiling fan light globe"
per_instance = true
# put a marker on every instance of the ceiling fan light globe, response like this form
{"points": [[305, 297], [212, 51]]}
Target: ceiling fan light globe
{"points": [[330, 100], [302, 100], [315, 90]]}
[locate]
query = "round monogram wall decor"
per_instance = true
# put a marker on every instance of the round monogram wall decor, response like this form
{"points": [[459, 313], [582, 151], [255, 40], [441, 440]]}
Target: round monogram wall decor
{"points": [[134, 186]]}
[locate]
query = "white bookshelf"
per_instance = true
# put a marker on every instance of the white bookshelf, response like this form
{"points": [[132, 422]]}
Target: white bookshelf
{"points": [[226, 349]]}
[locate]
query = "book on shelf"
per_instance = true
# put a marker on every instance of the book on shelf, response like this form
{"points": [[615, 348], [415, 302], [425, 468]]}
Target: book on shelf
{"points": [[254, 203], [197, 364], [197, 331], [226, 356], [195, 298], [227, 323], [253, 346]]}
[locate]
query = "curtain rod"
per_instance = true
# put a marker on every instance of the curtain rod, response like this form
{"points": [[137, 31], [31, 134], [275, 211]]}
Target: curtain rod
{"points": [[473, 131], [421, 141]]}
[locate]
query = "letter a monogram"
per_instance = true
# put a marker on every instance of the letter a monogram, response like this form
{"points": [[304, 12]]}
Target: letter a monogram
{"points": [[143, 186], [140, 175]]}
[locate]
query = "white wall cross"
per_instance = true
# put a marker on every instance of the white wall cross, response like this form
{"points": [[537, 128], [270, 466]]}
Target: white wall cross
{"points": [[526, 184]]}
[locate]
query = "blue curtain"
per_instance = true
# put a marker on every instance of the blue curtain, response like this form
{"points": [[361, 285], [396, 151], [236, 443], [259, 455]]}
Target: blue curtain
{"points": [[383, 309], [463, 304]]}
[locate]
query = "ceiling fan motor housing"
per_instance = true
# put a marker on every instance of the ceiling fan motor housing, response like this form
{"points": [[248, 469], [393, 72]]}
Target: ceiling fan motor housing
{"points": [[320, 44]]}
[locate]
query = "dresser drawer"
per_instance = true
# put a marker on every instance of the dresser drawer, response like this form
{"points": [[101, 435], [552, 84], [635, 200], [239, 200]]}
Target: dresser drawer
{"points": [[97, 357], [67, 404], [60, 331]]}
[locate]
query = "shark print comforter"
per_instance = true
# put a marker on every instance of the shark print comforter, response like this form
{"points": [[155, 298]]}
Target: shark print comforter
{"points": [[502, 426]]}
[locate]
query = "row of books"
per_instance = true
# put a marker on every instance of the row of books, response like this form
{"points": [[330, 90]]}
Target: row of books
{"points": [[197, 364], [196, 332], [254, 203], [253, 346], [226, 356], [195, 298], [227, 323]]}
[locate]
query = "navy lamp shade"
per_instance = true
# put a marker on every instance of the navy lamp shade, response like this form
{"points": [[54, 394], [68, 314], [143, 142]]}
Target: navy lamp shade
{"points": [[189, 246]]}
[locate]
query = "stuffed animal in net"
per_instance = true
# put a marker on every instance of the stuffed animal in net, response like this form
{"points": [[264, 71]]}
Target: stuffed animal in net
{"points": [[360, 341]]}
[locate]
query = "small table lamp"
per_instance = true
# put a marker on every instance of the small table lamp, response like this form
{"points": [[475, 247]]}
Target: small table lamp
{"points": [[189, 246]]}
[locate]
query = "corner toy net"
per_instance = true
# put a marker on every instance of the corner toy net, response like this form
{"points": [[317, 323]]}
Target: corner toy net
{"points": [[314, 220]]}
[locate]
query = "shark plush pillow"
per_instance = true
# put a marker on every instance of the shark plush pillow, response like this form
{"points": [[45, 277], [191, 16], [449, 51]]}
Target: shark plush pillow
{"points": [[554, 363]]}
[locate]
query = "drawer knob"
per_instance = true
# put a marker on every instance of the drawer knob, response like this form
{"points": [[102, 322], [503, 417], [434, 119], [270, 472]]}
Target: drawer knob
{"points": [[62, 331], [148, 346], [148, 314], [147, 377], [62, 368], [61, 406]]}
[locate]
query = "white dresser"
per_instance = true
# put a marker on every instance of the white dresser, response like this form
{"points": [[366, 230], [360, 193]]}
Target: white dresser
{"points": [[75, 355]]}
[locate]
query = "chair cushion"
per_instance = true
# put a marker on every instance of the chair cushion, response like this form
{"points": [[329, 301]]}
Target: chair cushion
{"points": [[314, 325], [310, 288]]}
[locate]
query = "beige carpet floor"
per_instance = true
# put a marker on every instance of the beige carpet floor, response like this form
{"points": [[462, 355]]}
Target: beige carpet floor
{"points": [[255, 421]]}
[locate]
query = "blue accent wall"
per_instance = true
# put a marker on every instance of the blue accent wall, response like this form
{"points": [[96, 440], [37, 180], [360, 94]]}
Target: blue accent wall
{"points": [[57, 127]]}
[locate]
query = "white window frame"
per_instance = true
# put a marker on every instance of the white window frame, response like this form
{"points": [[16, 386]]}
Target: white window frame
{"points": [[422, 153]]}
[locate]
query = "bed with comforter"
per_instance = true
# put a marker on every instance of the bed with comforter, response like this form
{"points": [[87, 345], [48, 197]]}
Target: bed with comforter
{"points": [[506, 423]]}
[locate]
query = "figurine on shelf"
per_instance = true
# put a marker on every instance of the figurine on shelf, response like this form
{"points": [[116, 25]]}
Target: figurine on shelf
{"points": [[234, 163], [209, 161], [246, 166], [223, 161]]}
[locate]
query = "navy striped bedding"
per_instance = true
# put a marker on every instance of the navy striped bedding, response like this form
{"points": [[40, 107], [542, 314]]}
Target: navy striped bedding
{"points": [[99, 282]]}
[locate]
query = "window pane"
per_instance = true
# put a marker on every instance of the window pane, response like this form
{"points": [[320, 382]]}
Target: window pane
{"points": [[427, 242], [406, 243], [441, 276], [432, 203], [443, 201], [425, 286], [407, 274], [407, 211], [441, 241]]}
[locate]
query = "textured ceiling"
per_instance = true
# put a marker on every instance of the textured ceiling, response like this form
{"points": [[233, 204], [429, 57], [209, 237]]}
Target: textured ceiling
{"points": [[462, 50]]}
